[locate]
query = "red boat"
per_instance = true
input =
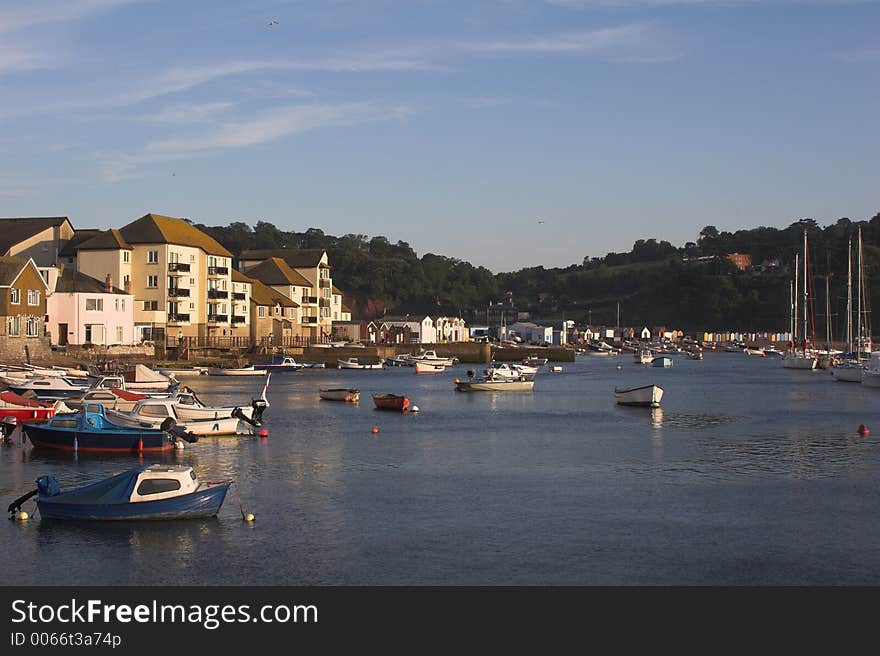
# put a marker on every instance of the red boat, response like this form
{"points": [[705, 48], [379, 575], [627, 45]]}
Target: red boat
{"points": [[391, 402], [24, 409]]}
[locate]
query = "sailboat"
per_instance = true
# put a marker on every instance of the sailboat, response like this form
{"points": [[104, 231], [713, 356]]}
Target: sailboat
{"points": [[798, 357], [849, 369]]}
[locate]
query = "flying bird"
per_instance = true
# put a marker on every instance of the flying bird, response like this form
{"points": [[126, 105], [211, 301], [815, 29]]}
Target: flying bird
{"points": [[272, 23], [540, 221]]}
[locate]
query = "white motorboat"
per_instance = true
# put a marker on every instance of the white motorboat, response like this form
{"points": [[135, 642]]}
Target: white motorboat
{"points": [[486, 385], [235, 371], [141, 377], [399, 361], [555, 369], [534, 361], [285, 364], [151, 413], [501, 371], [643, 356], [190, 406], [524, 370], [432, 357], [56, 387], [356, 363], [646, 396], [754, 351], [422, 367]]}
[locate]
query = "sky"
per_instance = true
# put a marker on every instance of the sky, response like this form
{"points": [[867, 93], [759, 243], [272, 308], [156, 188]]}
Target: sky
{"points": [[508, 133]]}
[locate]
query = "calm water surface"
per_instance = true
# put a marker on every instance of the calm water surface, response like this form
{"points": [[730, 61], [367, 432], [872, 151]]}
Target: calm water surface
{"points": [[749, 474]]}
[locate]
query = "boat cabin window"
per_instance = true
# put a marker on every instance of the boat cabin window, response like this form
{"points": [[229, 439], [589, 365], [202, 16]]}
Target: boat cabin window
{"points": [[153, 411], [192, 474], [64, 423], [94, 407], [158, 485], [185, 399], [41, 382]]}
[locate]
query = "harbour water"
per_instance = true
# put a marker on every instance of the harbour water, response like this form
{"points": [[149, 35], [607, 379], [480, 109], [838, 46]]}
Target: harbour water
{"points": [[750, 474]]}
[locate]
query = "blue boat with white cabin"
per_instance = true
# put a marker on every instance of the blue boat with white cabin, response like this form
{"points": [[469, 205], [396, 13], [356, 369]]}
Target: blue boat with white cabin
{"points": [[147, 492]]}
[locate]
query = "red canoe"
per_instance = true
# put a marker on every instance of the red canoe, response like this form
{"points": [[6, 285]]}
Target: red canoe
{"points": [[391, 402], [24, 409]]}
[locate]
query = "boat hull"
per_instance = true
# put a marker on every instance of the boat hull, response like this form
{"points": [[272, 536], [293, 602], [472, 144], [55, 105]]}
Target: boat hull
{"points": [[798, 362], [847, 374], [345, 395], [648, 396], [428, 368], [212, 371], [495, 386], [133, 441], [199, 504], [391, 402]]}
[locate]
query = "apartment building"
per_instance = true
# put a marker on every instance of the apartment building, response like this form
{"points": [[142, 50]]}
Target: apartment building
{"points": [[181, 278], [38, 238]]}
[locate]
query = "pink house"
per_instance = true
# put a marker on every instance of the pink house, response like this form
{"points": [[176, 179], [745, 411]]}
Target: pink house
{"points": [[83, 310]]}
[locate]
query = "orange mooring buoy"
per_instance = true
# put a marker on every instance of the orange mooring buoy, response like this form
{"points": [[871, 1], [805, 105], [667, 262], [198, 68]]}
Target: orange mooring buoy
{"points": [[375, 429], [264, 433], [864, 430]]}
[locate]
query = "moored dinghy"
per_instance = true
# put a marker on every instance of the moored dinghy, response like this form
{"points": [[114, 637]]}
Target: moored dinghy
{"points": [[147, 492], [395, 402], [348, 395], [646, 396]]}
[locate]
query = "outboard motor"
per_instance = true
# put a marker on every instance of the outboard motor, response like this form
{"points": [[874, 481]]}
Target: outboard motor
{"points": [[256, 418], [176, 432], [7, 428]]}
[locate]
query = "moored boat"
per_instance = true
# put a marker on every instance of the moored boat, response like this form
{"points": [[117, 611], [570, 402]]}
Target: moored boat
{"points": [[356, 363], [488, 385], [284, 364], [235, 371], [91, 431], [151, 413], [147, 492], [661, 361], [643, 356], [395, 402], [348, 395], [534, 361], [645, 396], [24, 409], [422, 367]]}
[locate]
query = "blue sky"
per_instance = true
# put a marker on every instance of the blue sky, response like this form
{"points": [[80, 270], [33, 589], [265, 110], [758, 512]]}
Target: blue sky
{"points": [[454, 126]]}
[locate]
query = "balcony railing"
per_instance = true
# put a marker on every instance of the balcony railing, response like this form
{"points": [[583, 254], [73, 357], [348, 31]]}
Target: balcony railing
{"points": [[218, 293], [218, 271], [310, 319], [310, 299], [218, 318], [325, 282], [325, 302], [238, 319], [178, 291], [178, 318], [239, 296], [178, 267]]}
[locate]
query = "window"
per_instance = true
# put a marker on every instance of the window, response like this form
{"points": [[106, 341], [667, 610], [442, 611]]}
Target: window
{"points": [[326, 292], [192, 257], [116, 304], [126, 281], [32, 327], [152, 281], [152, 257], [33, 297], [126, 256], [192, 282], [150, 306], [192, 306], [261, 312], [13, 328], [157, 410], [96, 305], [119, 334], [277, 310], [88, 333], [15, 296], [157, 486], [325, 312], [335, 316], [123, 305]]}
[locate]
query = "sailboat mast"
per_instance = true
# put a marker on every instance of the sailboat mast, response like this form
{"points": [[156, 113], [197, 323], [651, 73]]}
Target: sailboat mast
{"points": [[827, 314], [859, 301], [806, 293], [791, 312], [849, 333], [794, 321]]}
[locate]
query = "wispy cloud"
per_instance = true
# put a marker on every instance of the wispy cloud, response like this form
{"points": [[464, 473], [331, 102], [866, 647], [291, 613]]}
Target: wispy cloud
{"points": [[267, 126], [16, 59], [180, 114], [24, 15], [605, 38]]}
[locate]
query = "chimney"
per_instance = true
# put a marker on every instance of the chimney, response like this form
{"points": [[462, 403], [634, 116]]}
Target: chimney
{"points": [[108, 283]]}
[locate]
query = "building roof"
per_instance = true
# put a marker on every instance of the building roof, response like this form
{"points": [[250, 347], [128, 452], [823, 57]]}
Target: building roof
{"points": [[158, 229], [72, 281], [12, 266], [303, 258], [111, 240], [238, 276], [275, 271], [262, 294], [15, 230], [79, 236]]}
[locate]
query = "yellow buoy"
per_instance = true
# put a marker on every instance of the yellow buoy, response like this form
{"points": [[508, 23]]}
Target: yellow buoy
{"points": [[249, 517], [21, 516]]}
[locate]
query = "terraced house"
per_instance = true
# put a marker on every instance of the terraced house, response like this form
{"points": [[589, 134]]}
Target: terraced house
{"points": [[181, 278], [303, 275], [22, 306]]}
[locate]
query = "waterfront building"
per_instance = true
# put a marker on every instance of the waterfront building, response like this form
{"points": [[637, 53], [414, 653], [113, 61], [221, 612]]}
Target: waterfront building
{"points": [[350, 331], [406, 329], [83, 310], [451, 329], [38, 238], [240, 302], [273, 316], [529, 332], [22, 308], [179, 276]]}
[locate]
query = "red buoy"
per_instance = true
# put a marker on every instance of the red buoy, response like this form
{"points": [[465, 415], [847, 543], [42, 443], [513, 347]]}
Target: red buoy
{"points": [[864, 430], [375, 429], [264, 432], [140, 445]]}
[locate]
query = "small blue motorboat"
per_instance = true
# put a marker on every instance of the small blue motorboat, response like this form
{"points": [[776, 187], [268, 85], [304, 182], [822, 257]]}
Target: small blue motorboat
{"points": [[147, 492], [91, 431]]}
